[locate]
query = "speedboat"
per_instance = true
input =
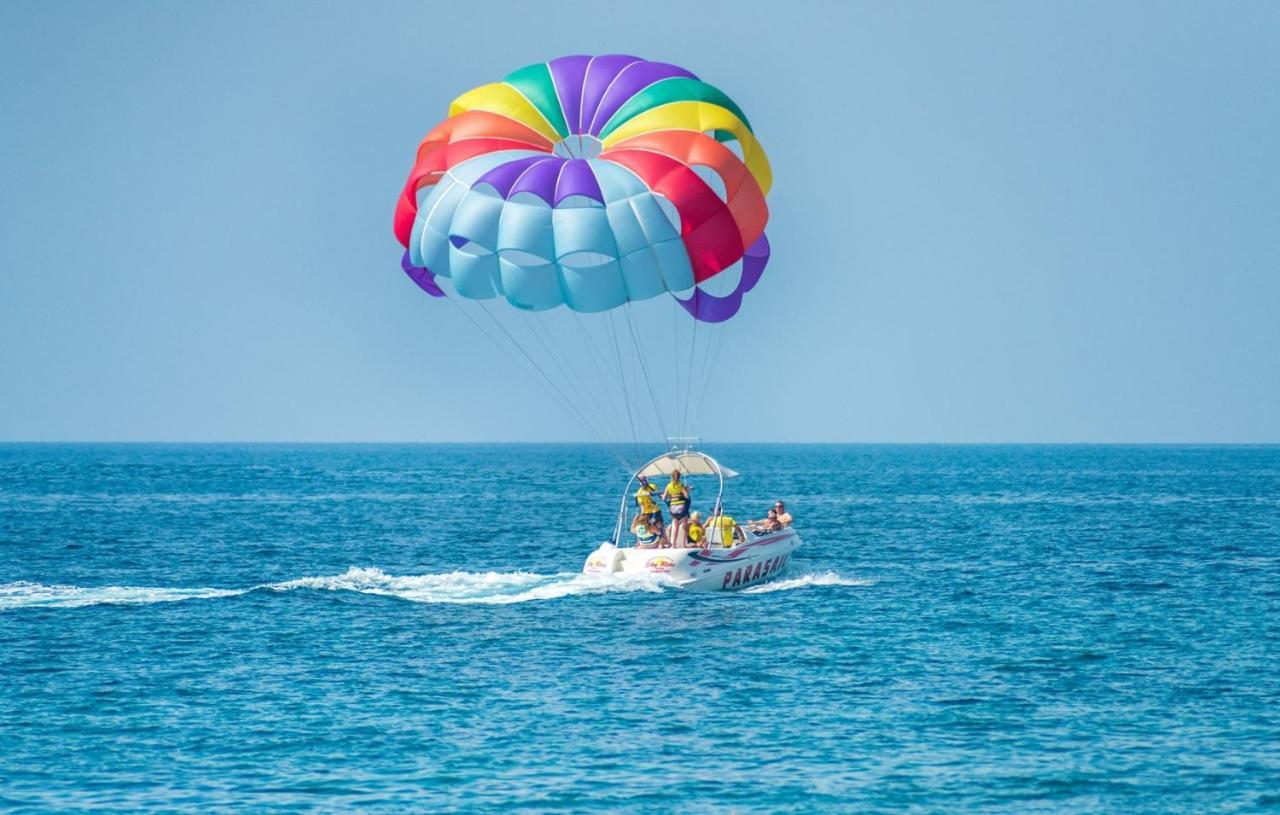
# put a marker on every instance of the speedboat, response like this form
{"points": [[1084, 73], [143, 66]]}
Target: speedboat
{"points": [[749, 556]]}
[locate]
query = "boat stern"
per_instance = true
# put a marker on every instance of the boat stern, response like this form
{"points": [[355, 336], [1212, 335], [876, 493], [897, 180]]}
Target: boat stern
{"points": [[604, 560]]}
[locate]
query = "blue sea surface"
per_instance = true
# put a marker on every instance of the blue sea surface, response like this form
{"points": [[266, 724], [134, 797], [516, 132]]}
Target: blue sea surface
{"points": [[1001, 629]]}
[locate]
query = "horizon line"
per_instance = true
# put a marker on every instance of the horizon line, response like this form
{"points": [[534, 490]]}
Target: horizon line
{"points": [[626, 444]]}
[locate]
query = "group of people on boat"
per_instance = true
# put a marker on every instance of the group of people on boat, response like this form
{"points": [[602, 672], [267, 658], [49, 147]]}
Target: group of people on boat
{"points": [[687, 529]]}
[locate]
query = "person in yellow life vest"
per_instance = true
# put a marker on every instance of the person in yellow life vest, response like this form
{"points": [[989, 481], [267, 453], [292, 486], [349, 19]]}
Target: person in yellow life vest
{"points": [[729, 531], [647, 500], [676, 496], [647, 531], [694, 532]]}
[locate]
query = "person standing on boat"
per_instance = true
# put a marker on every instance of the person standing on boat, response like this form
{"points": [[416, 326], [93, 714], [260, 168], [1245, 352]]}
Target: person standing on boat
{"points": [[676, 496], [647, 500]]}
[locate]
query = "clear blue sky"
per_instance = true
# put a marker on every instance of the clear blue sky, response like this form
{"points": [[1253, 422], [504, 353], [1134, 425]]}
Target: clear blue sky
{"points": [[991, 222]]}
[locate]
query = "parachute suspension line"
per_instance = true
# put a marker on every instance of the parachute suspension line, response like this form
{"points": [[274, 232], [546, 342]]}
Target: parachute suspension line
{"points": [[565, 365], [644, 368], [606, 365], [607, 383], [723, 331], [687, 428], [675, 359], [566, 380], [622, 375], [708, 366], [610, 421], [712, 334], [548, 387], [565, 400], [622, 380], [602, 381], [713, 360], [580, 390]]}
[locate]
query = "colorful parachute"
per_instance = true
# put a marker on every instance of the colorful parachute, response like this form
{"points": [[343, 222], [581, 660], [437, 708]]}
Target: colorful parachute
{"points": [[589, 182]]}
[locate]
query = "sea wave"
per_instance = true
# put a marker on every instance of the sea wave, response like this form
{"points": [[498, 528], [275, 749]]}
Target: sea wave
{"points": [[466, 588]]}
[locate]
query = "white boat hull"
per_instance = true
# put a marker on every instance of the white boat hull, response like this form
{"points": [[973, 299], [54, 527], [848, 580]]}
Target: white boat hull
{"points": [[749, 563]]}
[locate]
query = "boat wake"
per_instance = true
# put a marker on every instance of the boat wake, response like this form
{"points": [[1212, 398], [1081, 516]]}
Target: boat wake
{"points": [[467, 588], [476, 588], [804, 581], [22, 593]]}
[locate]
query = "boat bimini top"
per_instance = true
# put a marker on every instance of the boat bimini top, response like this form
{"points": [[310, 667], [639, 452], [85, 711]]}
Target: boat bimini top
{"points": [[681, 455], [687, 462]]}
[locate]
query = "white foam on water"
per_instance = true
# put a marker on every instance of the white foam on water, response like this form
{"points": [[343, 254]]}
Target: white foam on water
{"points": [[468, 588], [480, 588], [23, 593], [805, 581]]}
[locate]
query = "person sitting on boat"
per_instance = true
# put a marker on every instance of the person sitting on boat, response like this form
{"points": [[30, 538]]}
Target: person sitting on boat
{"points": [[784, 517], [676, 496], [646, 499], [694, 532], [647, 531], [730, 532], [768, 524]]}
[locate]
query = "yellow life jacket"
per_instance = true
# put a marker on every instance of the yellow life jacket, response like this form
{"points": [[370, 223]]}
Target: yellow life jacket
{"points": [[695, 532], [676, 490], [727, 525], [644, 534], [644, 498]]}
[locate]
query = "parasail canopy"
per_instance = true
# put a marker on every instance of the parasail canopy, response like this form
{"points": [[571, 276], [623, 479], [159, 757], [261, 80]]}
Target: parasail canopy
{"points": [[564, 208], [589, 182]]}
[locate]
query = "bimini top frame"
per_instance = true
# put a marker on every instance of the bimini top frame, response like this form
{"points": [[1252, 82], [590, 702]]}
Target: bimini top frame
{"points": [[681, 455]]}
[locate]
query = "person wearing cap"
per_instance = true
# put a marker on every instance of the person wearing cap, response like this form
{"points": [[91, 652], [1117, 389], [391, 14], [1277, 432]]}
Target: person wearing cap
{"points": [[694, 533], [646, 500], [784, 517]]}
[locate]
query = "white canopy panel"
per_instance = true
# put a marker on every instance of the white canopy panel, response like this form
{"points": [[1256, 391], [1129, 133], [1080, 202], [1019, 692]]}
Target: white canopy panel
{"points": [[687, 463]]}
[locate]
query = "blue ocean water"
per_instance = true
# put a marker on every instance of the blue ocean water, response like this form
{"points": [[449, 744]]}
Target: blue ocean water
{"points": [[967, 629]]}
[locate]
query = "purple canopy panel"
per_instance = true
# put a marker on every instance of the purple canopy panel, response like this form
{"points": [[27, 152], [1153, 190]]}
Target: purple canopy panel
{"points": [[577, 178], [708, 308], [422, 276], [505, 175], [551, 178], [540, 180], [630, 81], [600, 74], [568, 73]]}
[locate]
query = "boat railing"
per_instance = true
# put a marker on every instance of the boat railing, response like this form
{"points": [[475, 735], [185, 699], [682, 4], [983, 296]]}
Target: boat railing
{"points": [[683, 444], [680, 445]]}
